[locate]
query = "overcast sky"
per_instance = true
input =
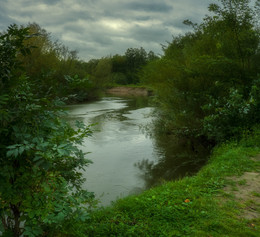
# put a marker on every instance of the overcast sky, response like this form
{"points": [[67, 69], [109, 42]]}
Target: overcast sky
{"points": [[99, 28]]}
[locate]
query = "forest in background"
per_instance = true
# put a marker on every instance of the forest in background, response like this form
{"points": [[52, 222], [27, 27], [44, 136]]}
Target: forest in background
{"points": [[206, 85]]}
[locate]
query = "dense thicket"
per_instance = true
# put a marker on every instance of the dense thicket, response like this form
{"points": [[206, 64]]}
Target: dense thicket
{"points": [[207, 83]]}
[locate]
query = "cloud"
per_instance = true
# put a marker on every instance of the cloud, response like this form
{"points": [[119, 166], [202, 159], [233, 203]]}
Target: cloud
{"points": [[97, 28], [149, 7], [151, 33]]}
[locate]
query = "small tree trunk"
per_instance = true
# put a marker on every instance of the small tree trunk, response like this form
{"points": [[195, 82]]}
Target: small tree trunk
{"points": [[16, 214]]}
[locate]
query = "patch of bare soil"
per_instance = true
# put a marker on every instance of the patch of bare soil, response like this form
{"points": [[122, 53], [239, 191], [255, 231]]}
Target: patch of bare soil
{"points": [[125, 91], [247, 192]]}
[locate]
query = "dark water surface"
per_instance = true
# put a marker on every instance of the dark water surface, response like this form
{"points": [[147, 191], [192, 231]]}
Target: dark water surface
{"points": [[125, 159]]}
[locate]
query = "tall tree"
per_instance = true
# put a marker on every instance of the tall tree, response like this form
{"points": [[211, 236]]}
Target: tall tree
{"points": [[135, 59]]}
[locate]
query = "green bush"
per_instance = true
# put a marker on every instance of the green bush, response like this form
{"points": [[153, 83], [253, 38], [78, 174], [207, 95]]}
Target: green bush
{"points": [[39, 157]]}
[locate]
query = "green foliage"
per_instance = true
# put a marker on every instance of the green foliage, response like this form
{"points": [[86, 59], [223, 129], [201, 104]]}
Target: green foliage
{"points": [[119, 69], [11, 44], [40, 160], [206, 82], [78, 89], [102, 72], [233, 113], [135, 60], [119, 78], [48, 63]]}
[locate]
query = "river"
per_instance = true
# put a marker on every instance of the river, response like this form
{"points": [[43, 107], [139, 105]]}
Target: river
{"points": [[126, 160]]}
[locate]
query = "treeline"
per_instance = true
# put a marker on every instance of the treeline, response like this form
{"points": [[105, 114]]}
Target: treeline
{"points": [[120, 69], [60, 73], [207, 82]]}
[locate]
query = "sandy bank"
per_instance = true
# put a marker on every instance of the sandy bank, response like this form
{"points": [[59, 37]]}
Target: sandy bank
{"points": [[124, 91]]}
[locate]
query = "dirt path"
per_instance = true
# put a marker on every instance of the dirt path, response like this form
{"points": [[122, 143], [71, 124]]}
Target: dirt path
{"points": [[246, 191]]}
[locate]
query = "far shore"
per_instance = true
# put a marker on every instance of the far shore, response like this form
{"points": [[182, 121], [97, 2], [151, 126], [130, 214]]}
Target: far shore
{"points": [[131, 91]]}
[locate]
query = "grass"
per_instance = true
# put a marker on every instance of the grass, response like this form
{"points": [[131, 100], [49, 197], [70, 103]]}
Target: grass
{"points": [[193, 206]]}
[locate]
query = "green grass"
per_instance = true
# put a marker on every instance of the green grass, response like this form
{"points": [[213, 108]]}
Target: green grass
{"points": [[193, 206]]}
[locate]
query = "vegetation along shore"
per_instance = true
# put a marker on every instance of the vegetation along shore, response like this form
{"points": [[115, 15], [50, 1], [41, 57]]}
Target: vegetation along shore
{"points": [[205, 86]]}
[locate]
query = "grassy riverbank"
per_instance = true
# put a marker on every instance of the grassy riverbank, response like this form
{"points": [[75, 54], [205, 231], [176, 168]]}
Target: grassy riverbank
{"points": [[204, 205]]}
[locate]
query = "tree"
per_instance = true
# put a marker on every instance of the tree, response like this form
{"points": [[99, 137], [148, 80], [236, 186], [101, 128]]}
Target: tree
{"points": [[43, 62], [102, 72], [40, 176], [206, 70], [119, 69], [135, 59], [119, 64]]}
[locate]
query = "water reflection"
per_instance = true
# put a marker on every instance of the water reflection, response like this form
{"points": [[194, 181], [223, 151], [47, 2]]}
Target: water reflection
{"points": [[176, 158], [116, 145], [126, 160]]}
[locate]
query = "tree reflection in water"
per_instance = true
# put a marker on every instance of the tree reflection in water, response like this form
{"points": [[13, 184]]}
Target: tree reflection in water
{"points": [[176, 158]]}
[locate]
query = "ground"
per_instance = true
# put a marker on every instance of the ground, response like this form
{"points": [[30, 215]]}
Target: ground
{"points": [[128, 91], [246, 190]]}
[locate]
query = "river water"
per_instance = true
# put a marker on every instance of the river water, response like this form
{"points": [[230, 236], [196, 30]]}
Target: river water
{"points": [[126, 160]]}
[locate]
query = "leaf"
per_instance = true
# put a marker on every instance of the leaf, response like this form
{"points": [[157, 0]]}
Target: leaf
{"points": [[46, 188], [31, 214], [36, 158], [39, 162], [21, 149], [16, 152], [46, 165], [9, 153]]}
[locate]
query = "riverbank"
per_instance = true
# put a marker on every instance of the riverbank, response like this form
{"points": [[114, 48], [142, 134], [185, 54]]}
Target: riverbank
{"points": [[129, 91], [208, 204]]}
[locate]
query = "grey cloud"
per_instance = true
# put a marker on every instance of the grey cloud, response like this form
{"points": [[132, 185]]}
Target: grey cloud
{"points": [[149, 7], [143, 18], [51, 2], [5, 21], [73, 28], [98, 28], [102, 40], [71, 18], [178, 23], [150, 34]]}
